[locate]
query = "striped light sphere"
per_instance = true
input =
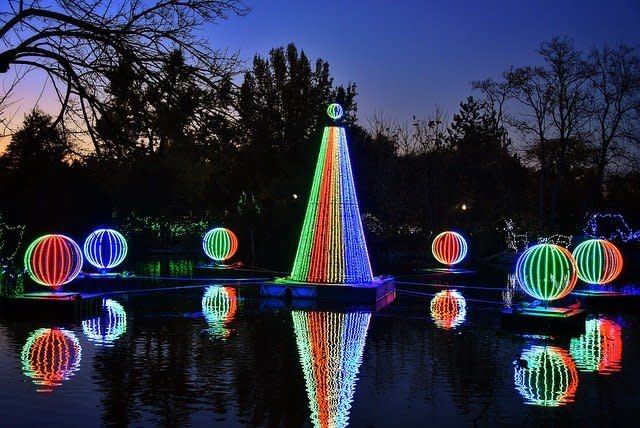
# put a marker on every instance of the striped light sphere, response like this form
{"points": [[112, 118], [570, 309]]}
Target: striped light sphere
{"points": [[50, 356], [546, 271], [105, 248], [599, 261], [332, 247], [220, 244], [448, 309], [449, 248], [53, 260], [109, 326], [219, 306]]}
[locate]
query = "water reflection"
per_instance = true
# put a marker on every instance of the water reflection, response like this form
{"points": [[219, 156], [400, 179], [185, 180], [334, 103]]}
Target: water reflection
{"points": [[330, 347], [546, 376], [109, 326], [219, 306], [163, 267], [448, 309], [50, 356], [600, 348]]}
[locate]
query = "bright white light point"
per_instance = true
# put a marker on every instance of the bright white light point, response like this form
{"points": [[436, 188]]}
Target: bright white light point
{"points": [[295, 196], [464, 207]]}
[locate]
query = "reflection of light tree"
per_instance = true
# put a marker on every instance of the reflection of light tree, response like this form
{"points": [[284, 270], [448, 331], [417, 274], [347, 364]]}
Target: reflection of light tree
{"points": [[600, 348], [109, 326], [219, 305], [549, 377], [50, 356], [330, 346], [448, 309]]}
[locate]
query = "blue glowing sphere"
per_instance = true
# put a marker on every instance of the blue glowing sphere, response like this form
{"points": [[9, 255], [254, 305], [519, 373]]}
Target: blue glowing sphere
{"points": [[105, 248]]}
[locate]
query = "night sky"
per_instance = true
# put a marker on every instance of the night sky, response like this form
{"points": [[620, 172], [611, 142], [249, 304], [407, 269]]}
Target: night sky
{"points": [[407, 56]]}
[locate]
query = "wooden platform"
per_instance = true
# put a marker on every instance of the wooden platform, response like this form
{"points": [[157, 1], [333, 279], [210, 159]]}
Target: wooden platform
{"points": [[380, 289], [51, 306], [546, 320]]}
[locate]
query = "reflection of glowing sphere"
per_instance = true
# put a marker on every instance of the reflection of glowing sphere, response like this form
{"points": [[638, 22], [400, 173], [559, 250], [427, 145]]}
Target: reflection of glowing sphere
{"points": [[105, 248], [549, 378], [600, 348], [334, 111], [50, 356], [449, 248], [448, 309], [109, 326], [53, 260], [598, 261], [220, 244], [546, 271], [219, 306]]}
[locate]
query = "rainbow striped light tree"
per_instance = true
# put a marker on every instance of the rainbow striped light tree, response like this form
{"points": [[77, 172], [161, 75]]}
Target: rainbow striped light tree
{"points": [[332, 248]]}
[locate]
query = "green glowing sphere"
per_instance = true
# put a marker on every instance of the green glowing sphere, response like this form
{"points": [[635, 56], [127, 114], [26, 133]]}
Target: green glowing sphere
{"points": [[220, 244], [598, 260], [334, 111], [546, 271]]}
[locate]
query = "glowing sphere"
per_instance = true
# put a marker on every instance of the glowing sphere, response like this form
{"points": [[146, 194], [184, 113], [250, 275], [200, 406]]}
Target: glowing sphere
{"points": [[599, 349], [449, 248], [50, 356], [109, 326], [220, 244], [53, 260], [548, 376], [219, 306], [334, 111], [448, 309], [105, 248], [598, 260], [546, 271]]}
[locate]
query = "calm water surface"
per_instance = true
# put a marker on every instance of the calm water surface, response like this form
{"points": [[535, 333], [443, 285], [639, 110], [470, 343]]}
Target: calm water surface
{"points": [[207, 357]]}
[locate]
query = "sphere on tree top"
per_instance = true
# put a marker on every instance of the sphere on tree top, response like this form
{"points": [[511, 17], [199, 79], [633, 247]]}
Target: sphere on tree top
{"points": [[334, 111]]}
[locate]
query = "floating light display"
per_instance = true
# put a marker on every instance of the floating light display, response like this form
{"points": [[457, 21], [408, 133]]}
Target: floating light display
{"points": [[109, 326], [598, 261], [220, 244], [219, 306], [449, 248], [53, 260], [546, 376], [334, 111], [546, 271], [448, 309], [599, 349], [50, 356], [332, 247], [330, 347], [105, 248]]}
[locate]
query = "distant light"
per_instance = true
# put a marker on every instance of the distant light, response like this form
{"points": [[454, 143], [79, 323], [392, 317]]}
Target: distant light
{"points": [[295, 196], [464, 207]]}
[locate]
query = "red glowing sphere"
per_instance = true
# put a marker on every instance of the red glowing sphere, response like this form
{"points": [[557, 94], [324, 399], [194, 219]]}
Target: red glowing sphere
{"points": [[53, 260], [449, 248]]}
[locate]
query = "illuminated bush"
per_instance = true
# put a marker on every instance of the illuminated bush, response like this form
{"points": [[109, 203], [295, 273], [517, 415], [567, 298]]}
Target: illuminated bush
{"points": [[53, 260], [105, 248], [546, 271], [598, 261], [50, 356], [220, 244], [109, 326], [219, 306], [600, 348], [548, 377], [449, 248], [448, 309]]}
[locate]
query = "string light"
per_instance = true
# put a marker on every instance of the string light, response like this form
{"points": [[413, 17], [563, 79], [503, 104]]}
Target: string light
{"points": [[599, 349], [448, 309], [449, 248], [109, 326], [547, 378], [516, 241], [598, 261], [53, 260], [105, 248], [219, 306], [332, 247], [619, 229], [546, 271], [220, 244], [557, 239], [330, 346], [50, 356]]}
